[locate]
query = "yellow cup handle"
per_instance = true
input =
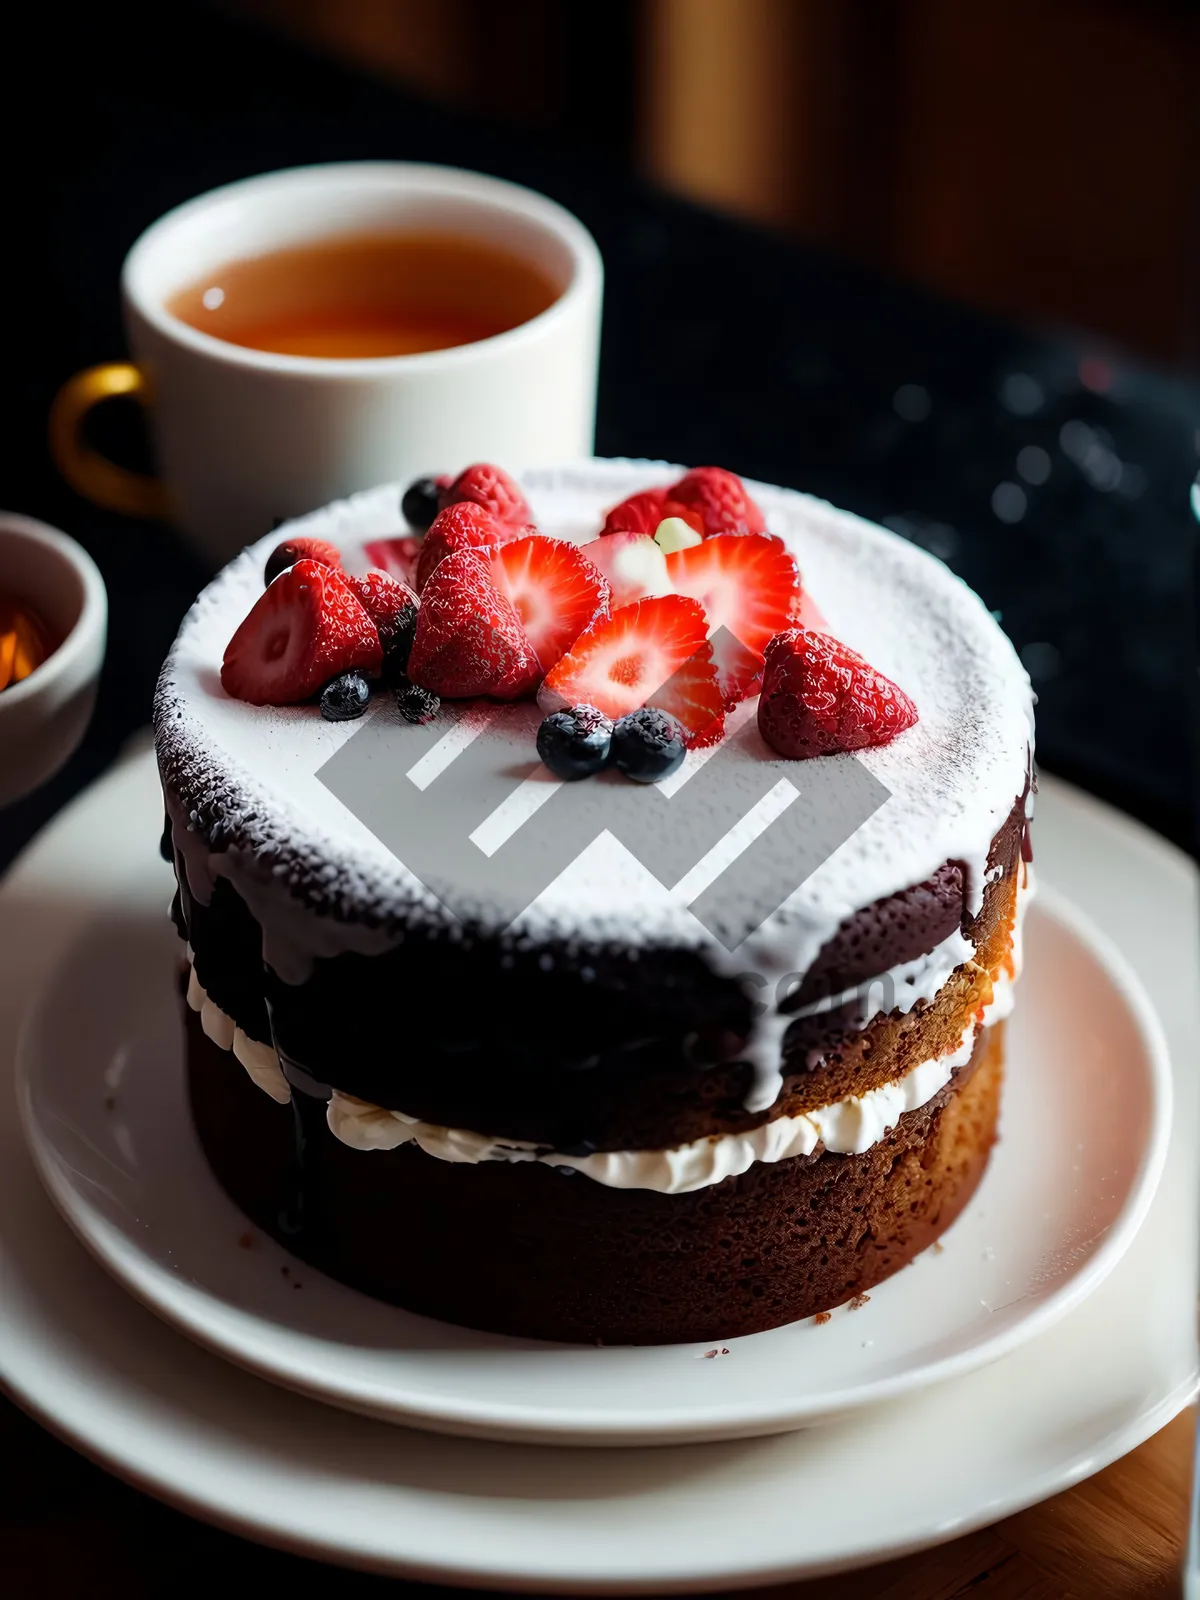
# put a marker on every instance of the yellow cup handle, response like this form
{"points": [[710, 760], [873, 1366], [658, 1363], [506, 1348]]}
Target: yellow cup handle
{"points": [[87, 471]]}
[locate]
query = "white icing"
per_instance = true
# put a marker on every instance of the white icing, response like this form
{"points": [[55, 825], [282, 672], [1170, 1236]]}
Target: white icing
{"points": [[899, 989], [952, 778]]}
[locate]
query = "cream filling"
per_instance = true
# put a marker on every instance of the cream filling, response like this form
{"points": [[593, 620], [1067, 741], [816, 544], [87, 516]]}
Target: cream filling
{"points": [[259, 1060], [849, 1126]]}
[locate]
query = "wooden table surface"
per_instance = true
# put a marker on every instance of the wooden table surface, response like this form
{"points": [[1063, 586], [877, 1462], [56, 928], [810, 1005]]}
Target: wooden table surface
{"points": [[68, 1529]]}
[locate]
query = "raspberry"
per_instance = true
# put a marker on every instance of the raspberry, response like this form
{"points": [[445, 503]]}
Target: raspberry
{"points": [[489, 487], [642, 513], [720, 500]]}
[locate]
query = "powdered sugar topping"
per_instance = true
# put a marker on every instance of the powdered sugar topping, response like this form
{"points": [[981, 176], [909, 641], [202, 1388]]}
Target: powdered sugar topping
{"points": [[316, 876]]}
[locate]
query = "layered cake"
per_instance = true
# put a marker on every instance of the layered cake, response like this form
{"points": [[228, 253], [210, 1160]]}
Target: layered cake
{"points": [[600, 896]]}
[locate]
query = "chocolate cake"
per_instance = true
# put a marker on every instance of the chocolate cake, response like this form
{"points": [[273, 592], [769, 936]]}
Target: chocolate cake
{"points": [[604, 1060]]}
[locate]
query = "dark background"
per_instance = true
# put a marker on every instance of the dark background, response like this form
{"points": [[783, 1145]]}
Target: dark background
{"points": [[1032, 157], [723, 341], [887, 175]]}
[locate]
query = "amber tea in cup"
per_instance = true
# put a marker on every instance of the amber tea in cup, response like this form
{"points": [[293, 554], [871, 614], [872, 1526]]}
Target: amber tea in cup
{"points": [[367, 295], [299, 336]]}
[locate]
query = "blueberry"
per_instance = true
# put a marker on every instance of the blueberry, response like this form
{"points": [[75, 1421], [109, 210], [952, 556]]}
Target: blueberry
{"points": [[647, 745], [280, 559], [419, 503], [575, 743], [415, 704], [344, 697]]}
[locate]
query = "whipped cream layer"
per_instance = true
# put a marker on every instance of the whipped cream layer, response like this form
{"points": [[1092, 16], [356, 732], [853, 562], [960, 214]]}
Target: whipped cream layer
{"points": [[849, 1126]]}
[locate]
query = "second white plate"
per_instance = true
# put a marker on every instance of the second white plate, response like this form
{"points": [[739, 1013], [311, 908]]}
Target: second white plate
{"points": [[1084, 1130]]}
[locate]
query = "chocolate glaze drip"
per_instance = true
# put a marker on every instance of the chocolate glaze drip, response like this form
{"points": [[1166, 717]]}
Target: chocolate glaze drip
{"points": [[301, 1216], [608, 1053], [892, 931]]}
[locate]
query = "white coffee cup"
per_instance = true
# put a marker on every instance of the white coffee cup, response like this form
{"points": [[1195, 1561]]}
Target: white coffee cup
{"points": [[245, 437]]}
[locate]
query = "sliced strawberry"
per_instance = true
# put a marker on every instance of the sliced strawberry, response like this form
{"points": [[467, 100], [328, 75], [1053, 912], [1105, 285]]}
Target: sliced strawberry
{"points": [[819, 697], [397, 557], [392, 607], [492, 488], [465, 526], [290, 551], [469, 639], [554, 589], [305, 628], [654, 652], [749, 587], [642, 513], [720, 500], [634, 565]]}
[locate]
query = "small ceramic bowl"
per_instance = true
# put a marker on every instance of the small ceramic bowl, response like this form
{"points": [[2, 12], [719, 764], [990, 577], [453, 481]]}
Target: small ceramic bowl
{"points": [[43, 717]]}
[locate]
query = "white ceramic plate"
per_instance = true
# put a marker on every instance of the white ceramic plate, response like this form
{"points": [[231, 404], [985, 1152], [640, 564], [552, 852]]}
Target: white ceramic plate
{"points": [[84, 1357], [1083, 1135]]}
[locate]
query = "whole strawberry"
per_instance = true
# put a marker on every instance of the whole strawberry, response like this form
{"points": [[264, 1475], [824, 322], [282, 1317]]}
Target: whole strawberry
{"points": [[490, 487], [464, 526], [469, 639], [720, 501], [306, 627], [392, 607], [820, 697]]}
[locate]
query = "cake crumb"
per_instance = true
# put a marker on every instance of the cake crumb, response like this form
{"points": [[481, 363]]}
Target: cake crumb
{"points": [[296, 1284], [938, 1247], [110, 1102], [711, 1355], [245, 1241], [821, 1318], [858, 1301], [285, 1272]]}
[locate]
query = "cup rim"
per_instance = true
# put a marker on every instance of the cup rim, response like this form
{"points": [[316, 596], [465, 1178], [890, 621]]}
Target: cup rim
{"points": [[93, 611], [586, 277]]}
